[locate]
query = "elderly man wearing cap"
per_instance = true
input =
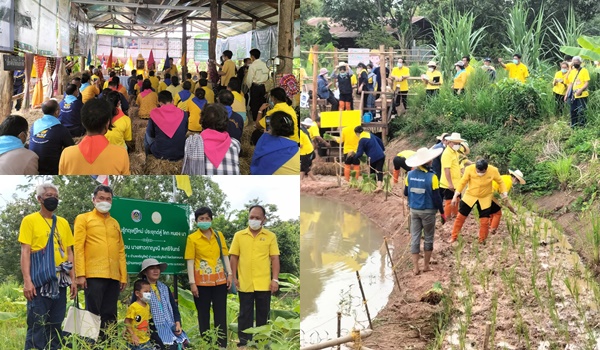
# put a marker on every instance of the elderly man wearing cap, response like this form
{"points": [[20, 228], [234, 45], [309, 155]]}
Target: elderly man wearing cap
{"points": [[510, 180], [323, 90], [166, 316], [437, 161], [450, 172], [460, 78], [432, 78], [487, 66], [424, 200], [578, 79], [477, 180], [343, 74]]}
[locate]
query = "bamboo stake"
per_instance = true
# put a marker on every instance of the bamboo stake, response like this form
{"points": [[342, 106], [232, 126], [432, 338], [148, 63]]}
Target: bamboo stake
{"points": [[348, 338], [486, 340], [339, 325], [387, 247], [362, 292], [315, 59]]}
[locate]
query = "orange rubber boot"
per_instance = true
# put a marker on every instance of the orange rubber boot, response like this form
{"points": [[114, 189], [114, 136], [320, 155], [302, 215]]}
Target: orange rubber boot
{"points": [[448, 209], [357, 169], [495, 221], [458, 224], [455, 208], [347, 172], [484, 229], [396, 175]]}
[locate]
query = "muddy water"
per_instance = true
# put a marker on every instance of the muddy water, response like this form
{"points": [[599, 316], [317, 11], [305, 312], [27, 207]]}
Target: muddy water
{"points": [[336, 241]]}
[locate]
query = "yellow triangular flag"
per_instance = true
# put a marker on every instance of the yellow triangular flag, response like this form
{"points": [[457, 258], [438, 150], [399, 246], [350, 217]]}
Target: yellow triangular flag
{"points": [[129, 64], [183, 183], [310, 56]]}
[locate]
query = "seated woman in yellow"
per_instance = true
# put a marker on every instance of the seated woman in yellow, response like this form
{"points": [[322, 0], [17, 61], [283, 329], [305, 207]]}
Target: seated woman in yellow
{"points": [[175, 87], [280, 103], [181, 99], [460, 78], [195, 106], [275, 152], [120, 134], [239, 102], [147, 100]]}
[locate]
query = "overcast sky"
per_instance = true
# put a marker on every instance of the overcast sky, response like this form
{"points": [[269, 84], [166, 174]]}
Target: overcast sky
{"points": [[284, 191]]}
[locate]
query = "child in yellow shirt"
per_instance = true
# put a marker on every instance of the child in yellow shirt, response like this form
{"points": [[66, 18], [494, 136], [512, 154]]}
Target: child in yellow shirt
{"points": [[138, 318]]}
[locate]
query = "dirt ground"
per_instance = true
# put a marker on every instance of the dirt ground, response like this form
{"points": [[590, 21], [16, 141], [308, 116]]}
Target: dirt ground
{"points": [[560, 313]]}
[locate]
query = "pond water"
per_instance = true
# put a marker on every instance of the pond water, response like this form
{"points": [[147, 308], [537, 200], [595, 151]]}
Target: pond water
{"points": [[335, 242]]}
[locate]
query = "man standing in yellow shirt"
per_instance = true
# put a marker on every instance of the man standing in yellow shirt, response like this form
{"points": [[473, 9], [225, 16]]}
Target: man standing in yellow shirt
{"points": [[450, 172], [227, 68], [100, 264], [46, 293], [399, 76], [254, 256], [577, 93], [516, 69], [478, 177]]}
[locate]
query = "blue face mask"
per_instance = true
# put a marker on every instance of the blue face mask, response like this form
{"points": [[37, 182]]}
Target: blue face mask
{"points": [[343, 75], [563, 71], [204, 225], [515, 61], [271, 104]]}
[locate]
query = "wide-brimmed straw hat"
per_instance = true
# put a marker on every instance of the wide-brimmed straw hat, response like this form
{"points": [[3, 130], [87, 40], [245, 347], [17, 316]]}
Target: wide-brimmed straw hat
{"points": [[455, 137], [307, 122], [342, 64], [151, 262], [441, 137], [431, 63], [422, 156], [518, 174], [465, 146], [460, 64], [323, 71]]}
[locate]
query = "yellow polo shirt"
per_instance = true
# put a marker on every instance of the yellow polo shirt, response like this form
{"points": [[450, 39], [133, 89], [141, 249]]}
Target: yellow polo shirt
{"points": [[140, 321], [113, 160], [582, 78], [239, 103], [291, 167], [147, 104], [254, 264], [35, 230], [401, 72], [162, 86], [406, 154], [174, 90], [450, 159], [349, 139], [229, 70], [430, 76], [460, 80], [306, 146], [209, 94], [99, 247], [519, 72], [479, 187], [314, 130], [195, 115], [89, 93], [508, 184], [120, 132], [208, 267], [469, 70], [154, 81], [184, 104], [560, 88], [283, 107]]}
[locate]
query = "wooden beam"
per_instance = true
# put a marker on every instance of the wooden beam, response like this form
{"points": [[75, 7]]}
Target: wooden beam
{"points": [[220, 19], [212, 43], [251, 15], [184, 49], [285, 47]]}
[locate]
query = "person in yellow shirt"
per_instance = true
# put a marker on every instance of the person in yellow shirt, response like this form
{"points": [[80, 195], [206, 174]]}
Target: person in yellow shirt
{"points": [[276, 153], [209, 93], [210, 273], [433, 79], [100, 265], [560, 87], [279, 103], [153, 80], [467, 62], [254, 258], [307, 153], [120, 134], [400, 163], [227, 70], [147, 100], [510, 180], [94, 154], [193, 84], [239, 101], [172, 68], [111, 75], [175, 87], [162, 86], [460, 78], [195, 106], [46, 295], [183, 97], [516, 69], [450, 172], [577, 92], [138, 317], [350, 141], [89, 90], [399, 77], [478, 177]]}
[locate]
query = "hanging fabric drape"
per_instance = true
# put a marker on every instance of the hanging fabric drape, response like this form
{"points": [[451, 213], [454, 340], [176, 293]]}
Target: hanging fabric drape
{"points": [[51, 67], [38, 91]]}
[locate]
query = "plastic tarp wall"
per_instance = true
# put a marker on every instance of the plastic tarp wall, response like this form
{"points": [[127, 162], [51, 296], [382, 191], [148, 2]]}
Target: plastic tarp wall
{"points": [[83, 35], [7, 35]]}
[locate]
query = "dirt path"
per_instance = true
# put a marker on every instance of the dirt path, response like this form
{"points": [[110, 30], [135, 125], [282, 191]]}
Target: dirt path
{"points": [[525, 289]]}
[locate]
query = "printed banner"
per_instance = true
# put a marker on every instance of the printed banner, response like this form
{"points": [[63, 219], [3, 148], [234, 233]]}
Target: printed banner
{"points": [[356, 56], [200, 50], [7, 31], [153, 230], [27, 20], [46, 45]]}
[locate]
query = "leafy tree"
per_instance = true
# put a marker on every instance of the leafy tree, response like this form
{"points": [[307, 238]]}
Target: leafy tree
{"points": [[375, 36], [10, 248]]}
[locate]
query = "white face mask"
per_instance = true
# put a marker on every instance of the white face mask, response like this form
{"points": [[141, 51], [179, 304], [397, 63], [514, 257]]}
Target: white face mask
{"points": [[103, 207], [456, 147], [146, 296], [430, 69], [400, 65], [255, 224]]}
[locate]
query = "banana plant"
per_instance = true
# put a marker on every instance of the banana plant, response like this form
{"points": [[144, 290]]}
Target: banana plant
{"points": [[590, 48]]}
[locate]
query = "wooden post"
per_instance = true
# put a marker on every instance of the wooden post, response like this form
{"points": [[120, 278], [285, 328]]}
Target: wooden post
{"points": [[285, 51], [387, 248], [254, 24], [28, 70], [362, 292], [184, 69], [339, 325], [6, 90], [212, 43], [383, 94], [329, 343], [315, 57]]}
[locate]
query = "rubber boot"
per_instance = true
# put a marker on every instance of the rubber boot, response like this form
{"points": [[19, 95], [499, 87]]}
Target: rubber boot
{"points": [[347, 172], [396, 175], [458, 224], [495, 221], [357, 169], [455, 208], [448, 209], [484, 229]]}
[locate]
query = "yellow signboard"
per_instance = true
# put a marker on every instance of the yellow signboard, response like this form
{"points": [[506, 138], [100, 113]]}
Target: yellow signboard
{"points": [[332, 119]]}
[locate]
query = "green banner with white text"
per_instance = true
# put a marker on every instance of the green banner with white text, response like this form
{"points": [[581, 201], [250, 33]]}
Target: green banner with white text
{"points": [[153, 230]]}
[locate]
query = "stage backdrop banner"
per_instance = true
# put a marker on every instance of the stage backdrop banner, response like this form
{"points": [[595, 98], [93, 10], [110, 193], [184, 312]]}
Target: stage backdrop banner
{"points": [[153, 230], [27, 20], [7, 27]]}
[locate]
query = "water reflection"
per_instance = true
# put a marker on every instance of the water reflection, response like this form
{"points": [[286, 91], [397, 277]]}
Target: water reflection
{"points": [[335, 242]]}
